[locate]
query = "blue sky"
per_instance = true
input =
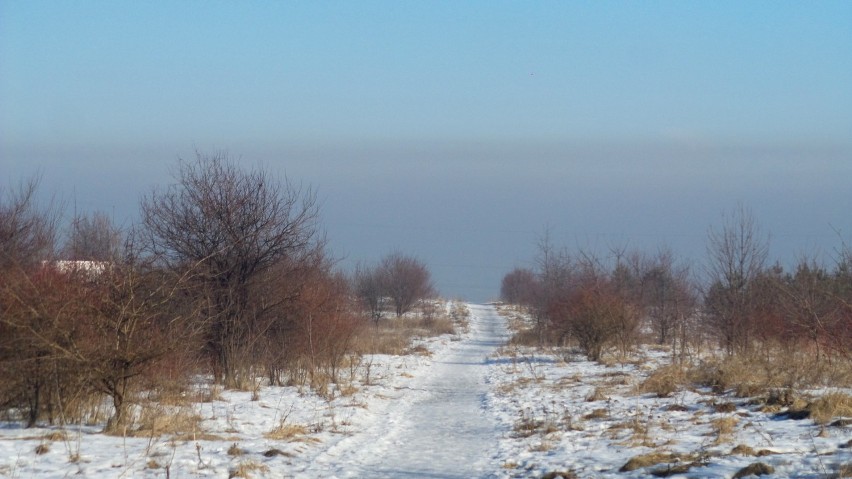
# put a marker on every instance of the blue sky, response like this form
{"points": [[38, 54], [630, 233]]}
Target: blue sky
{"points": [[455, 131]]}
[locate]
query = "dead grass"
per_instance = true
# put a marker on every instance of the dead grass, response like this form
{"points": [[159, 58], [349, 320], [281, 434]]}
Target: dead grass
{"points": [[771, 368], [756, 469], [672, 469], [393, 336], [157, 420], [599, 413], [527, 426], [290, 433], [55, 436], [664, 381], [419, 350], [830, 406], [743, 450], [246, 468], [525, 337], [724, 428], [560, 475], [276, 452], [842, 470], [651, 459], [598, 394]]}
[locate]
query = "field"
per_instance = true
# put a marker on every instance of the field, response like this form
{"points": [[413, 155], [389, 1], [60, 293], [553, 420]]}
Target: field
{"points": [[547, 412]]}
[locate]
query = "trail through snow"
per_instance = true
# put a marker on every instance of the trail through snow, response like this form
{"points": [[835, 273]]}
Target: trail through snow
{"points": [[438, 427]]}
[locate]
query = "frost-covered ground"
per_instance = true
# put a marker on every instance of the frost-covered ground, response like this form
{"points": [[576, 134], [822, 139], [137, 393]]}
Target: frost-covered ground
{"points": [[467, 408]]}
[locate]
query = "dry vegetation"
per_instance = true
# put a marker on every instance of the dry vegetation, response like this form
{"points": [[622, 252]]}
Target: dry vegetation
{"points": [[725, 398], [225, 284]]}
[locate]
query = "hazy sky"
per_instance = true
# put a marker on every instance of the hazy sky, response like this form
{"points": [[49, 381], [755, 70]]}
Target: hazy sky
{"points": [[453, 131]]}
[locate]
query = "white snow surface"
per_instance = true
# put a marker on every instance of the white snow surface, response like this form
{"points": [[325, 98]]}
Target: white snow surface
{"points": [[470, 408], [437, 426]]}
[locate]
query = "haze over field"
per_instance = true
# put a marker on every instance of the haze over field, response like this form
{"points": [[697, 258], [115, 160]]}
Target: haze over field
{"points": [[452, 131]]}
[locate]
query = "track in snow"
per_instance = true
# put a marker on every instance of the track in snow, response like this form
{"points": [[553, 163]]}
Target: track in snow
{"points": [[445, 432]]}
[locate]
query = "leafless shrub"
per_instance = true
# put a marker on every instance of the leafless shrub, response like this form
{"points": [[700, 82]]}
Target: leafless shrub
{"points": [[407, 281], [235, 226], [92, 238], [737, 256], [519, 287]]}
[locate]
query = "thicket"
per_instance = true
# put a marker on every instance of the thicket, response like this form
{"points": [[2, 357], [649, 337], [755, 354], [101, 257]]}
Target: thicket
{"points": [[227, 275], [737, 302]]}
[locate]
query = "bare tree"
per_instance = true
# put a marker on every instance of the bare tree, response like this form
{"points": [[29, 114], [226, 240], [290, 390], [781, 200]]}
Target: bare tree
{"points": [[595, 315], [236, 225], [556, 273], [519, 287], [92, 238], [737, 255], [136, 316], [407, 281], [29, 296], [27, 231], [370, 285]]}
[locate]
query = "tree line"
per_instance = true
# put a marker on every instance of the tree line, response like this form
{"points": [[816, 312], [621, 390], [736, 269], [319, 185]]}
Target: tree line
{"points": [[737, 300], [227, 273]]}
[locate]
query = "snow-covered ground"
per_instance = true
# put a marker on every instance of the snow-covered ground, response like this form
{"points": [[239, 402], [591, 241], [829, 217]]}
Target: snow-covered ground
{"points": [[467, 408], [437, 425]]}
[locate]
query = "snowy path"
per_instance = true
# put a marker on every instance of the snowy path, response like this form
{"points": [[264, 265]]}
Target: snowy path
{"points": [[438, 428]]}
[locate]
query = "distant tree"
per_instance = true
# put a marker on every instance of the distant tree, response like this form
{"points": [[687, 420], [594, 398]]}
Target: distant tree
{"points": [[737, 255], [556, 275], [594, 314], [235, 226], [30, 297], [407, 281], [27, 230], [809, 304], [669, 296], [519, 287], [92, 238], [372, 288]]}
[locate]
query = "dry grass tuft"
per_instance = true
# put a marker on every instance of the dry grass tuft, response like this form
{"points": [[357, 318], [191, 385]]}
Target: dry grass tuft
{"points": [[647, 460], [843, 470], [246, 468], [156, 420], [276, 452], [560, 475], [743, 450], [756, 469], [419, 350], [56, 436], [725, 407], [724, 428], [599, 413], [599, 394], [830, 406], [42, 449], [525, 337], [672, 469], [528, 426], [292, 433], [665, 381], [393, 336], [736, 373], [235, 450]]}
